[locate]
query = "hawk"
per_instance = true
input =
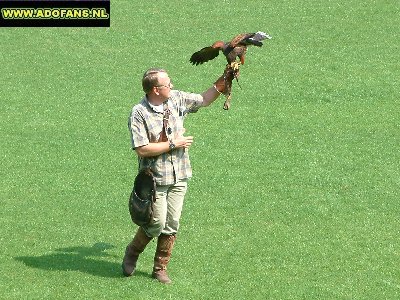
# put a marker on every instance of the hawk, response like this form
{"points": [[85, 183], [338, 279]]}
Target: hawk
{"points": [[232, 50], [236, 48]]}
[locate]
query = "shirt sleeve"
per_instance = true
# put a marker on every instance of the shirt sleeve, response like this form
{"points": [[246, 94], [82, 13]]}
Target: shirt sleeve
{"points": [[189, 102], [137, 129]]}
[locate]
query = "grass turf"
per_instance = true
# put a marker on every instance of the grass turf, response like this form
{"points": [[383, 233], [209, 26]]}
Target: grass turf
{"points": [[296, 188]]}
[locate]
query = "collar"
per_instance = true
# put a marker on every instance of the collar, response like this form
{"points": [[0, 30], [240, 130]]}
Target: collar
{"points": [[156, 108]]}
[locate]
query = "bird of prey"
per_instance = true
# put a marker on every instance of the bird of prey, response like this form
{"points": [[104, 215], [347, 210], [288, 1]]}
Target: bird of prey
{"points": [[236, 48], [232, 50]]}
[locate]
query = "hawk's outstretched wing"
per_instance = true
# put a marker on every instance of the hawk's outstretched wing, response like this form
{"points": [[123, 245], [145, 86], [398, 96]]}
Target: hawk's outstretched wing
{"points": [[204, 55]]}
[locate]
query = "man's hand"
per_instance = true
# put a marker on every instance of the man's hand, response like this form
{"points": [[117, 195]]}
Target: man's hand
{"points": [[224, 83], [183, 141], [222, 86]]}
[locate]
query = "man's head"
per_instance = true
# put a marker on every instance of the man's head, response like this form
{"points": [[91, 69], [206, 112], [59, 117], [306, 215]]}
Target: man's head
{"points": [[156, 81]]}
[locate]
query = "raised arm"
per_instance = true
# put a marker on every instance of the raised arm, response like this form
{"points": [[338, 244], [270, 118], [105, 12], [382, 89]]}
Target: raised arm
{"points": [[221, 87]]}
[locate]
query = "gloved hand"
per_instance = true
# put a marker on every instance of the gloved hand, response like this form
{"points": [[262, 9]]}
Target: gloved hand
{"points": [[224, 83]]}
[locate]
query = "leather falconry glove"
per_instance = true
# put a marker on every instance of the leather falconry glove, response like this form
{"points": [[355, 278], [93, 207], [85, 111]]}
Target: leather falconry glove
{"points": [[224, 83]]}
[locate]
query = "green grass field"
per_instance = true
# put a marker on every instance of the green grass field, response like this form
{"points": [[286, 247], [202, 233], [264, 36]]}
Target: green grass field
{"points": [[295, 192]]}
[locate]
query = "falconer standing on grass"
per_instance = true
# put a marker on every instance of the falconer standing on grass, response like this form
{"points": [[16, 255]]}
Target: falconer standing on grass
{"points": [[163, 147]]}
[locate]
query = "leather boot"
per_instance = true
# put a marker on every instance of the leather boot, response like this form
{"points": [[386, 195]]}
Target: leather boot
{"points": [[133, 250], [165, 243]]}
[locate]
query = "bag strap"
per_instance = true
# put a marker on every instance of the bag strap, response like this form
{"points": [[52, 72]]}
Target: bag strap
{"points": [[165, 129]]}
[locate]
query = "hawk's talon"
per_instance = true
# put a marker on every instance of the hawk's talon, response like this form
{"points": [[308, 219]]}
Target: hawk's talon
{"points": [[235, 66]]}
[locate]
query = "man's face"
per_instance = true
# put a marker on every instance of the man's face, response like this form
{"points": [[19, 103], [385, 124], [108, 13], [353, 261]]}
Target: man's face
{"points": [[164, 85]]}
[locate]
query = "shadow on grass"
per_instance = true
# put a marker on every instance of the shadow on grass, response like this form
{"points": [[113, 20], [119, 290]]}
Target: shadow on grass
{"points": [[83, 259]]}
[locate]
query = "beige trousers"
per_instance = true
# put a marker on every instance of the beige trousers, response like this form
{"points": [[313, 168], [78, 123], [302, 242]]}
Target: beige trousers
{"points": [[167, 209]]}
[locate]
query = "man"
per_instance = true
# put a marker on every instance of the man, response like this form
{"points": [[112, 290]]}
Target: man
{"points": [[157, 133]]}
